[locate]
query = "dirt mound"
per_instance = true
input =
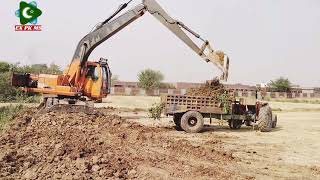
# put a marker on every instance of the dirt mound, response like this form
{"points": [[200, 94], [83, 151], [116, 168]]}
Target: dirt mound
{"points": [[212, 89], [80, 143]]}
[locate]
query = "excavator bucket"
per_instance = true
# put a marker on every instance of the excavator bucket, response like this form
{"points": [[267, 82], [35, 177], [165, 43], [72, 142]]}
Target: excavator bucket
{"points": [[218, 58]]}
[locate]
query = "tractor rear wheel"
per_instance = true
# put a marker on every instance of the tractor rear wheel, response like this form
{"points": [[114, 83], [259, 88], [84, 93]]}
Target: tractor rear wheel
{"points": [[265, 119], [192, 122]]}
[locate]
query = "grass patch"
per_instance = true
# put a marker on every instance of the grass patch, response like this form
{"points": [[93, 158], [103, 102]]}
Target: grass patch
{"points": [[306, 101], [279, 110], [22, 98], [276, 109], [7, 113]]}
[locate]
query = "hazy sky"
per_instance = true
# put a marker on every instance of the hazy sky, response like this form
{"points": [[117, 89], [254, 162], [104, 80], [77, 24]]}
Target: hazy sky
{"points": [[265, 39]]}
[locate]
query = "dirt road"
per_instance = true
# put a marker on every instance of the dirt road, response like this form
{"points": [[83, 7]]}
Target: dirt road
{"points": [[291, 151]]}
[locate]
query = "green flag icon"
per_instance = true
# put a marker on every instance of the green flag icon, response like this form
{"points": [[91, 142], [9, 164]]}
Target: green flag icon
{"points": [[28, 12]]}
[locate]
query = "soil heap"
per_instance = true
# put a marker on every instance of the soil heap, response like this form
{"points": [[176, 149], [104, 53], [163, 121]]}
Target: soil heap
{"points": [[69, 142], [211, 89]]}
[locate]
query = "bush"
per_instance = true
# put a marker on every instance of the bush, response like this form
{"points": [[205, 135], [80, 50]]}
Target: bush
{"points": [[150, 79], [155, 111], [9, 93], [8, 113], [4, 67]]}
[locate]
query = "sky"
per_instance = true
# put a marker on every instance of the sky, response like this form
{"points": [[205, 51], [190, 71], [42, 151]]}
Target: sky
{"points": [[265, 39]]}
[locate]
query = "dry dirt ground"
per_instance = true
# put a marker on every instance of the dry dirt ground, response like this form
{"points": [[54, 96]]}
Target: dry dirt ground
{"points": [[123, 143]]}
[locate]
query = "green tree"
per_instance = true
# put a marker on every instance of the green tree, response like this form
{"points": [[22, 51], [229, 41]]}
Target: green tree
{"points": [[4, 67], [54, 69], [150, 79], [281, 84]]}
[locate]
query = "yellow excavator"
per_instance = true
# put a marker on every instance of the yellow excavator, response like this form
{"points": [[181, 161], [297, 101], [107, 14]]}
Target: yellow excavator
{"points": [[88, 81]]}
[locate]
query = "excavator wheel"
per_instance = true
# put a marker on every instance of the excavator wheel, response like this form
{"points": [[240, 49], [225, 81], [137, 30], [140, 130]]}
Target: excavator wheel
{"points": [[265, 119], [72, 101], [48, 103]]}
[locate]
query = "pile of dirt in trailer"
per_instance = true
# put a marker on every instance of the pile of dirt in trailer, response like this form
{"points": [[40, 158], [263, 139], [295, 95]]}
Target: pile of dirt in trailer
{"points": [[211, 89], [76, 142]]}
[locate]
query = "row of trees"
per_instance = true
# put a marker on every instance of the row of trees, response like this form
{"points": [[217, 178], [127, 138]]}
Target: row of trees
{"points": [[151, 79]]}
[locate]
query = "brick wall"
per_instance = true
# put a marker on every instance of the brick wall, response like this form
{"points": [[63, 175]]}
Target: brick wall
{"points": [[141, 92]]}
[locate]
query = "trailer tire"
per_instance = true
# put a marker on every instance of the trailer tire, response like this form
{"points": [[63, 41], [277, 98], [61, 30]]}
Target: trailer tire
{"points": [[265, 119], [192, 122], [274, 121], [235, 124], [177, 121]]}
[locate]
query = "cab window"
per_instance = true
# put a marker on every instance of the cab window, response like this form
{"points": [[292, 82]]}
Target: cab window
{"points": [[93, 73]]}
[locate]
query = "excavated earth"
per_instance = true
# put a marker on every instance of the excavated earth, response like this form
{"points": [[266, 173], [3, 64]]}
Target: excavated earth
{"points": [[210, 89], [79, 143]]}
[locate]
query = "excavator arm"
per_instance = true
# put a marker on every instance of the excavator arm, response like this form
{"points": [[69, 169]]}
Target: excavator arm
{"points": [[109, 28], [218, 58]]}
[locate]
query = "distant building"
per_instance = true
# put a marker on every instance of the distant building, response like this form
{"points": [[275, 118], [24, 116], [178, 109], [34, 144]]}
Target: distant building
{"points": [[186, 85], [230, 87], [240, 87], [125, 84]]}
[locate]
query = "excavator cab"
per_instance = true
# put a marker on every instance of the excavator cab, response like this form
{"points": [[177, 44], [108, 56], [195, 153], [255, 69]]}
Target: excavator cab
{"points": [[97, 80]]}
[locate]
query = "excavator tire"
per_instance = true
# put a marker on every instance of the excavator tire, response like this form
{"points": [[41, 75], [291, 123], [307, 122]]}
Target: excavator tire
{"points": [[192, 122], [265, 119], [50, 102], [177, 121]]}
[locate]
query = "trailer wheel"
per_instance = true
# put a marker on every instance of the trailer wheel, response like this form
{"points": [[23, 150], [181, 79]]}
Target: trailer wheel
{"points": [[235, 124], [177, 121], [274, 121], [265, 119], [192, 122]]}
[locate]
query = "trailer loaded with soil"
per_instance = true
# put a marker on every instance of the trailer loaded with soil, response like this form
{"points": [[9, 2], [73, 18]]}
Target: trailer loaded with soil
{"points": [[189, 112]]}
